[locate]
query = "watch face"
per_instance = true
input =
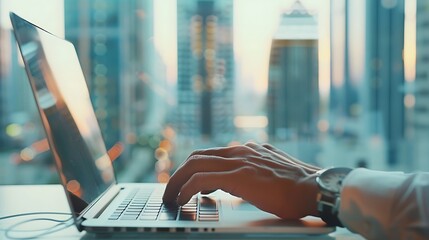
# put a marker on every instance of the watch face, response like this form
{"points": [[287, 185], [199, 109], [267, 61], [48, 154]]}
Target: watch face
{"points": [[332, 179]]}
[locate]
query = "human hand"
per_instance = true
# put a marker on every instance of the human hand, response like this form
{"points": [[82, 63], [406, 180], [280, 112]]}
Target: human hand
{"points": [[263, 175]]}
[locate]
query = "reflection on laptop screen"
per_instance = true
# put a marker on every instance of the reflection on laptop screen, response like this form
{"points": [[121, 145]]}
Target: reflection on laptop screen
{"points": [[63, 101]]}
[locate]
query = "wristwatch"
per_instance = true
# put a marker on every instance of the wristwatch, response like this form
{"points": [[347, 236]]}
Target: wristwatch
{"points": [[328, 199]]}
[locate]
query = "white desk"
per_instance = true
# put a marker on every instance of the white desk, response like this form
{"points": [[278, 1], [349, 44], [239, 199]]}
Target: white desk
{"points": [[16, 199]]}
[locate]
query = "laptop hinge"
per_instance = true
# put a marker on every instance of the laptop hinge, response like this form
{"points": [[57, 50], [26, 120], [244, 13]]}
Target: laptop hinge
{"points": [[78, 224], [98, 208]]}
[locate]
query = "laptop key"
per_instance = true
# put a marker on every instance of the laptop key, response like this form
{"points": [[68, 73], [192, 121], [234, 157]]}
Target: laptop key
{"points": [[135, 207], [202, 213], [132, 211], [114, 216], [167, 216], [148, 217], [130, 214], [188, 211], [187, 217], [209, 219], [148, 210], [136, 204], [129, 217], [153, 205]]}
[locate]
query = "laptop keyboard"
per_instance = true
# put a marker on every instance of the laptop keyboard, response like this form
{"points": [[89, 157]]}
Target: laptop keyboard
{"points": [[146, 205]]}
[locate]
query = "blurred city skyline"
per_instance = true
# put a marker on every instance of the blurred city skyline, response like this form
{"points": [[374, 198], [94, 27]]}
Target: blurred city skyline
{"points": [[248, 15], [252, 63], [167, 77]]}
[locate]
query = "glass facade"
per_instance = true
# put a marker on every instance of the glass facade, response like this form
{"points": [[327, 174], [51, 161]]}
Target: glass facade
{"points": [[332, 82]]}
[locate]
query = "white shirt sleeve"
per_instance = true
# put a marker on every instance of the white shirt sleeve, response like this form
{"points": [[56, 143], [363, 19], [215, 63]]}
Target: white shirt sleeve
{"points": [[386, 205]]}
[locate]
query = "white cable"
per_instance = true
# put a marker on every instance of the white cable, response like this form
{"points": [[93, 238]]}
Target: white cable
{"points": [[61, 224], [33, 213], [58, 227]]}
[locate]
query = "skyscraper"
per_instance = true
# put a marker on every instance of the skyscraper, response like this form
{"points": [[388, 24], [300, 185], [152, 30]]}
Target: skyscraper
{"points": [[421, 109], [293, 89], [368, 72], [94, 28], [343, 93], [112, 39], [205, 70], [385, 73]]}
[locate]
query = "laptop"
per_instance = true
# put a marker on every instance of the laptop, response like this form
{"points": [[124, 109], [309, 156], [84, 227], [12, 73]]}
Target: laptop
{"points": [[99, 204]]}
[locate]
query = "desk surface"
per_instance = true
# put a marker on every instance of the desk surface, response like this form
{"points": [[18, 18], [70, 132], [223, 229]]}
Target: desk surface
{"points": [[15, 199]]}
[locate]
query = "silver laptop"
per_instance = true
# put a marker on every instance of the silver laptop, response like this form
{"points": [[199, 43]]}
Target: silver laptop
{"points": [[98, 203]]}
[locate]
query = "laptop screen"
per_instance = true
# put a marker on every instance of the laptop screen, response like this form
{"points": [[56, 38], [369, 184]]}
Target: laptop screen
{"points": [[63, 101]]}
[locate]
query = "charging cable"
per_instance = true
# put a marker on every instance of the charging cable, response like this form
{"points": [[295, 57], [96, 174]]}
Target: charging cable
{"points": [[12, 232]]}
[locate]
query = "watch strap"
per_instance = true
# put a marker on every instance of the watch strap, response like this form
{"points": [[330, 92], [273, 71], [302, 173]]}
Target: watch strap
{"points": [[328, 206]]}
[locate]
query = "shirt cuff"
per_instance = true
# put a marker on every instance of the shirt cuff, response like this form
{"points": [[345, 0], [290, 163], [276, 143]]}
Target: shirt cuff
{"points": [[367, 197]]}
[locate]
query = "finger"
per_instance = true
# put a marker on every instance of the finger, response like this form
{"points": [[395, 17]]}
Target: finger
{"points": [[220, 152], [289, 157], [206, 192], [254, 146], [199, 164], [226, 181], [252, 152], [231, 151]]}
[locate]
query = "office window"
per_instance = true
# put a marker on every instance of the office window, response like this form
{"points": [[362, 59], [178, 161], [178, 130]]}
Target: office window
{"points": [[332, 82]]}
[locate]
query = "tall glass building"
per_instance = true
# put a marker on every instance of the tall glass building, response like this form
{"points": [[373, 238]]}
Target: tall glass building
{"points": [[293, 87], [205, 108], [421, 108], [385, 74], [125, 76], [367, 80], [100, 55], [293, 92]]}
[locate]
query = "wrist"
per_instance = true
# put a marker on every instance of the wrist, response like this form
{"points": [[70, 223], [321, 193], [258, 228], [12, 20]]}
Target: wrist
{"points": [[311, 191]]}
